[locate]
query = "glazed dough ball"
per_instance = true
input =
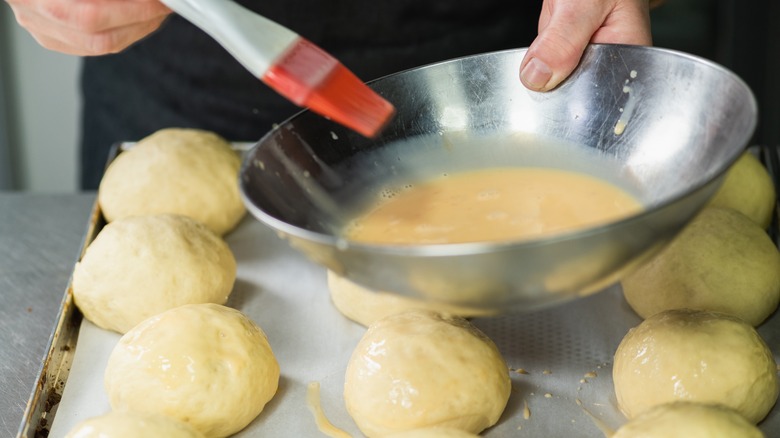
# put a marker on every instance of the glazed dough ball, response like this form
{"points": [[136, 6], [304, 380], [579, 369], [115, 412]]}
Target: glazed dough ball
{"points": [[127, 424], [722, 261], [748, 188], [689, 420], [696, 356], [422, 369], [180, 171], [365, 306], [204, 364], [143, 265]]}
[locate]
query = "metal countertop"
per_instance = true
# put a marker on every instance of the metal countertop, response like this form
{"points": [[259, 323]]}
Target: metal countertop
{"points": [[40, 238]]}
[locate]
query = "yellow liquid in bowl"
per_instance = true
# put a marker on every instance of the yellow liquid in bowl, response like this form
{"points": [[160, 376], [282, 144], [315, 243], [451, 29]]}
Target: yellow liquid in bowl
{"points": [[496, 204]]}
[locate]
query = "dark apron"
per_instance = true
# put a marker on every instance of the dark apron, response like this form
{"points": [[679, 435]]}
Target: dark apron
{"points": [[180, 77]]}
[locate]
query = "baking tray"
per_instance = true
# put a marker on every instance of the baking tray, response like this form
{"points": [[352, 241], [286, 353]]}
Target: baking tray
{"points": [[561, 357]]}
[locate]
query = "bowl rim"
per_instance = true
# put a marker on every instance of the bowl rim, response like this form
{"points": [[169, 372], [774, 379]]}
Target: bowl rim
{"points": [[485, 247]]}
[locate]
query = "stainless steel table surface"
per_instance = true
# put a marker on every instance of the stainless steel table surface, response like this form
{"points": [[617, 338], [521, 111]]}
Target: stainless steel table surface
{"points": [[40, 239]]}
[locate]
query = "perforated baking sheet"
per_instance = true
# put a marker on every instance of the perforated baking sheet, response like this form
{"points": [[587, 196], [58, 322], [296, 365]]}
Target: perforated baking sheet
{"points": [[566, 351], [561, 357]]}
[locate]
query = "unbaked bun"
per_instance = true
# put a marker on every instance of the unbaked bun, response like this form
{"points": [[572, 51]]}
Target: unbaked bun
{"points": [[180, 171], [696, 356], [421, 369], [749, 189], [130, 424], [688, 420], [204, 364], [721, 262], [140, 266], [365, 306]]}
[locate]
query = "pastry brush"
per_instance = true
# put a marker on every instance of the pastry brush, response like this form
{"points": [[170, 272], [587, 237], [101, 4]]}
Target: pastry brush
{"points": [[291, 65]]}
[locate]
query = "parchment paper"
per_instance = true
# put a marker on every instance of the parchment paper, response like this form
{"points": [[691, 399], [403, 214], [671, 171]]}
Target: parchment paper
{"points": [[287, 296]]}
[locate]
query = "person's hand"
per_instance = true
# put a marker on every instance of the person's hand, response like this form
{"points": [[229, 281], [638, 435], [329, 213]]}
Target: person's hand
{"points": [[567, 26], [88, 27]]}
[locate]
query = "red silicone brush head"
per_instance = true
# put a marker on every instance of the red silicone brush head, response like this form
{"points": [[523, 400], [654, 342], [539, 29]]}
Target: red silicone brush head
{"points": [[308, 76]]}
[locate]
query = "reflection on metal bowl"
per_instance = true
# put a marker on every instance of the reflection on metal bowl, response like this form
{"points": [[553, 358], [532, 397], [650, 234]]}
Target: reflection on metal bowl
{"points": [[661, 124]]}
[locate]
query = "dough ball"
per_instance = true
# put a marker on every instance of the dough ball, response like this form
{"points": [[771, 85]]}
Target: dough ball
{"points": [[748, 188], [128, 424], [722, 261], [140, 266], [365, 306], [204, 364], [422, 369], [695, 356], [689, 420], [180, 171]]}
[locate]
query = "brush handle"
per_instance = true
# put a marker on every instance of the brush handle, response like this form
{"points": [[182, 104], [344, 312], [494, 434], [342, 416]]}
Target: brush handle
{"points": [[255, 41]]}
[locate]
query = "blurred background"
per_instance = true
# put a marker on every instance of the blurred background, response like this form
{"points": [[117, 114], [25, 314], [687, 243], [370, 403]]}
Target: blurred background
{"points": [[39, 101]]}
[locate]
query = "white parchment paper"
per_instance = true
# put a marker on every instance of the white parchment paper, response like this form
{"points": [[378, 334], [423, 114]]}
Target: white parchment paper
{"points": [[566, 351]]}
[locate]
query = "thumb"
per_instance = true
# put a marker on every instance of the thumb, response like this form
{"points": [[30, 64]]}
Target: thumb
{"points": [[564, 32]]}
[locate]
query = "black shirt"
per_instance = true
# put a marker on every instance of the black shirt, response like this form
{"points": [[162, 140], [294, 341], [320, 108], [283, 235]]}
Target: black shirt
{"points": [[180, 77]]}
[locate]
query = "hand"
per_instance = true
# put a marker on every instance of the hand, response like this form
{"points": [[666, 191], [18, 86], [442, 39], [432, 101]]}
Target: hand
{"points": [[88, 27], [567, 26]]}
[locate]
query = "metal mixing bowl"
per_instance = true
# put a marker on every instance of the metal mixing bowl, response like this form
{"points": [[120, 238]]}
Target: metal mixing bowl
{"points": [[664, 125]]}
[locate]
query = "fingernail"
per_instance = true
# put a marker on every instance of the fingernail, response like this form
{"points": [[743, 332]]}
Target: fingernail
{"points": [[536, 74]]}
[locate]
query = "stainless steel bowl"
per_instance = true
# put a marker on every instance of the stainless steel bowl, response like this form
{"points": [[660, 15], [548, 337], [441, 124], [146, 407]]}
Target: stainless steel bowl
{"points": [[667, 124]]}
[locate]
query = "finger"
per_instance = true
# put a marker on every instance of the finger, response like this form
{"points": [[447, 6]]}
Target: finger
{"points": [[565, 30], [92, 16], [66, 40], [629, 24], [56, 45]]}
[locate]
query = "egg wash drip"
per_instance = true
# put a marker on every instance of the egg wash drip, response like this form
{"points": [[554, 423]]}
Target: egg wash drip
{"points": [[495, 204]]}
